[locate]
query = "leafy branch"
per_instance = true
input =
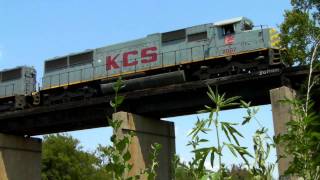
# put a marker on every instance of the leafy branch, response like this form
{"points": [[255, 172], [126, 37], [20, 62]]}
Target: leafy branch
{"points": [[118, 155], [228, 130]]}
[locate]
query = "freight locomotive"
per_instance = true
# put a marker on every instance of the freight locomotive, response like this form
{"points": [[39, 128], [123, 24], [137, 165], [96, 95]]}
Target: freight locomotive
{"points": [[212, 50]]}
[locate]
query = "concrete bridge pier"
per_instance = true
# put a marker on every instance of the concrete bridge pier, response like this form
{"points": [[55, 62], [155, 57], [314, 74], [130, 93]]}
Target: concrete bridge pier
{"points": [[20, 158], [149, 131], [281, 113]]}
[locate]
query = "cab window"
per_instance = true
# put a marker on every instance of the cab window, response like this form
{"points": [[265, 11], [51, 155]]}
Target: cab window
{"points": [[228, 29]]}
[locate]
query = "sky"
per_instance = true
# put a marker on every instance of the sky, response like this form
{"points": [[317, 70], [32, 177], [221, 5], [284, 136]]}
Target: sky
{"points": [[36, 30]]}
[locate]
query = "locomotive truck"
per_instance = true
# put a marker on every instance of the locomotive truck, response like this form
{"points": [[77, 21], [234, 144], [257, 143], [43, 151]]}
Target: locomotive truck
{"points": [[204, 51]]}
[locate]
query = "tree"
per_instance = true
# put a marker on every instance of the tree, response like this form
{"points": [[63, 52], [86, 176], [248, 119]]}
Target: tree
{"points": [[300, 31], [301, 142], [239, 172], [64, 159], [301, 37]]}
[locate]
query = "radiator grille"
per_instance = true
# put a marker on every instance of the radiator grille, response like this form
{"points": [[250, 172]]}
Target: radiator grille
{"points": [[11, 74], [56, 64], [80, 59]]}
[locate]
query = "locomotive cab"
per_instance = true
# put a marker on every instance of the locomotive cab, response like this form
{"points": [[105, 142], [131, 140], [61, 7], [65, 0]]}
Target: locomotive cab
{"points": [[236, 36], [233, 26]]}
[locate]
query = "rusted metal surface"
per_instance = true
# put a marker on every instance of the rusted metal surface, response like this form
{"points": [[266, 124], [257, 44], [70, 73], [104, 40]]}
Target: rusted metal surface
{"points": [[172, 100]]}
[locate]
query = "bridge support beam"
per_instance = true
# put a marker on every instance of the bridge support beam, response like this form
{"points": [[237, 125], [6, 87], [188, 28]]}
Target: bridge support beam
{"points": [[281, 115], [20, 158], [148, 131]]}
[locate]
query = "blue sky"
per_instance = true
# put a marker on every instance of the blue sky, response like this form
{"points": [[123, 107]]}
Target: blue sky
{"points": [[32, 31]]}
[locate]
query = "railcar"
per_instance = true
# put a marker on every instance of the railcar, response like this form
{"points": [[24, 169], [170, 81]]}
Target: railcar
{"points": [[205, 51], [17, 86]]}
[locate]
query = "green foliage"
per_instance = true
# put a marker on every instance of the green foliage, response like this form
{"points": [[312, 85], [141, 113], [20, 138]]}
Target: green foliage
{"points": [[118, 100], [262, 146], [180, 169], [300, 31], [301, 142], [63, 159], [151, 171], [239, 172], [116, 158], [213, 153], [182, 174], [188, 171]]}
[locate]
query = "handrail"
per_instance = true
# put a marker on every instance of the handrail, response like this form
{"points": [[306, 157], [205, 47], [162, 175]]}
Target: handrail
{"points": [[6, 87], [94, 68]]}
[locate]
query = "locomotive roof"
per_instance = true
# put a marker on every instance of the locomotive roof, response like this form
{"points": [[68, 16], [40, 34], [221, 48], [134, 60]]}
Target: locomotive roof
{"points": [[231, 21], [219, 23], [18, 67]]}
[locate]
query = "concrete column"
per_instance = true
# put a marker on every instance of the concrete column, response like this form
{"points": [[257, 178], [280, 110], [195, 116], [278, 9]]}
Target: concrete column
{"points": [[20, 158], [149, 131], [281, 115]]}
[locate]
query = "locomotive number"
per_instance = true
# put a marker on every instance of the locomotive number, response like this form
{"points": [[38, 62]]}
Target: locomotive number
{"points": [[148, 55], [229, 51]]}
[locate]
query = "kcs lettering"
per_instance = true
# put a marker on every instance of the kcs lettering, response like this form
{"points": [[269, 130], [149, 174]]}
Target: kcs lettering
{"points": [[148, 55]]}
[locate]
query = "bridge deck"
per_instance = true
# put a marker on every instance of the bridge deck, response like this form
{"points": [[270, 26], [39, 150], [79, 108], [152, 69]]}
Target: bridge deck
{"points": [[172, 100]]}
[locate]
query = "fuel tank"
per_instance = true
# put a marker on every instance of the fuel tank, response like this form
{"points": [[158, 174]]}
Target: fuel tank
{"points": [[147, 82]]}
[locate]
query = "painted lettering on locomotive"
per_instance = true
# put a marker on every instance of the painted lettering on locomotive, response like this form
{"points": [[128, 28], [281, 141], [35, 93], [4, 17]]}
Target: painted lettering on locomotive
{"points": [[147, 55]]}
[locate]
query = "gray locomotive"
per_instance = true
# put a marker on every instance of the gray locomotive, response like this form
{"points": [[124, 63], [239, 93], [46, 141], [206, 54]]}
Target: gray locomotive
{"points": [[15, 85], [205, 51]]}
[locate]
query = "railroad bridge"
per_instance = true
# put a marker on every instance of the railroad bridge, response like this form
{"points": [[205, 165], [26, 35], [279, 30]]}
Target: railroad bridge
{"points": [[146, 107]]}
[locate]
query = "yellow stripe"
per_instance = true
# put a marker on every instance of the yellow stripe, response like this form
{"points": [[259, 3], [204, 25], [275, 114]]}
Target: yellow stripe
{"points": [[158, 67], [3, 97]]}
